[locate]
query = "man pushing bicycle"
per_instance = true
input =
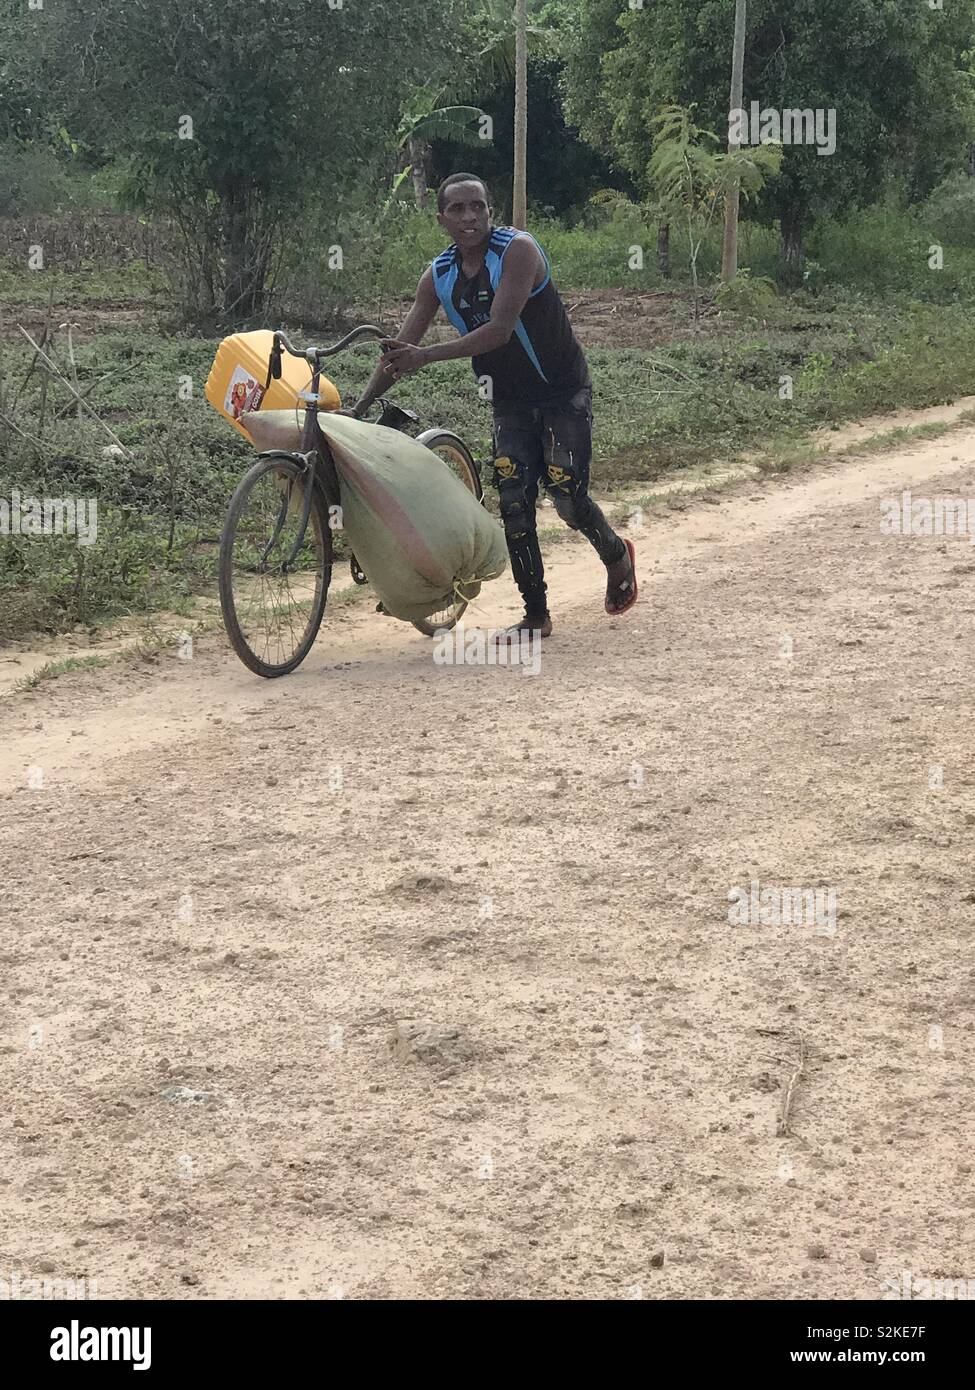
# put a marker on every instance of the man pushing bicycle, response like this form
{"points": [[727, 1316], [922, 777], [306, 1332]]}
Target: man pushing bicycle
{"points": [[495, 287]]}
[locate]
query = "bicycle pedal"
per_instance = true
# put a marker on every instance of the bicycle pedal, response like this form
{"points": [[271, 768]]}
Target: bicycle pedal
{"points": [[358, 573]]}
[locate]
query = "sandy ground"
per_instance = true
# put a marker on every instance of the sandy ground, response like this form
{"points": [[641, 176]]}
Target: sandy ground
{"points": [[399, 980]]}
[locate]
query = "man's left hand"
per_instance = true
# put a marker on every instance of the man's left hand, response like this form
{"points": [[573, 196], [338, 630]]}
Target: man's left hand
{"points": [[404, 360]]}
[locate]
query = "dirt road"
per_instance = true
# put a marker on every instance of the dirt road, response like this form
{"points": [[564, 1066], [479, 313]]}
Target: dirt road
{"points": [[393, 979]]}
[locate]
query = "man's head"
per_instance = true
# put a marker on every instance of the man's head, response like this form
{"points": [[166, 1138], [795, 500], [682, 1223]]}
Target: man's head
{"points": [[464, 209]]}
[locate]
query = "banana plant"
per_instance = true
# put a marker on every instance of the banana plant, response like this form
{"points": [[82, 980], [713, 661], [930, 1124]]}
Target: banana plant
{"points": [[494, 64], [427, 121]]}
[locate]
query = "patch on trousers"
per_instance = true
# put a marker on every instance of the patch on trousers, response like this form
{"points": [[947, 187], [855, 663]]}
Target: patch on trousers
{"points": [[505, 468], [558, 475]]}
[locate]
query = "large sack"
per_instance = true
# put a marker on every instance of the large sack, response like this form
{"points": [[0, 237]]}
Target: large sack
{"points": [[422, 539], [275, 429]]}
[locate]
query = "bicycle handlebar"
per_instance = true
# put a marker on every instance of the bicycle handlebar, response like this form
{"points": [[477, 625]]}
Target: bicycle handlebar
{"points": [[314, 354]]}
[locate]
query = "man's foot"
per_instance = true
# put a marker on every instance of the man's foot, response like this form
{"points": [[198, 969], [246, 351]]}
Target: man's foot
{"points": [[540, 623], [621, 589]]}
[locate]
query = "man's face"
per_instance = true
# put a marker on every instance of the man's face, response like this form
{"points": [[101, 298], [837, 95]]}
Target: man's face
{"points": [[466, 217]]}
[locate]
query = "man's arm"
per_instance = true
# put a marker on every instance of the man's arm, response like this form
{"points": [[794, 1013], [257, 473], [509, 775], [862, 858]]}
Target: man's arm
{"points": [[415, 325], [521, 265]]}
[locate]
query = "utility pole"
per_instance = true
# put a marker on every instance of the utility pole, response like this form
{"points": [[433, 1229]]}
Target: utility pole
{"points": [[519, 195], [729, 251]]}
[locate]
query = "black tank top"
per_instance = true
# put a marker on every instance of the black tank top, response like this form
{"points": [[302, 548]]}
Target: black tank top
{"points": [[542, 362]]}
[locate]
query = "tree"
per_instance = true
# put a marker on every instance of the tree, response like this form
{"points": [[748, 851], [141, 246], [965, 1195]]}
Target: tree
{"points": [[613, 96], [227, 112], [428, 120], [563, 171], [519, 192], [506, 41], [691, 178], [892, 73], [729, 250]]}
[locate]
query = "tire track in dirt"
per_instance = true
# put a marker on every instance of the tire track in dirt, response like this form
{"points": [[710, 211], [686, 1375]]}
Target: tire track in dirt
{"points": [[399, 980]]}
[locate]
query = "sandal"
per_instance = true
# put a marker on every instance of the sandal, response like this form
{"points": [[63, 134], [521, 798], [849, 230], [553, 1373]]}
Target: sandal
{"points": [[622, 597], [625, 592]]}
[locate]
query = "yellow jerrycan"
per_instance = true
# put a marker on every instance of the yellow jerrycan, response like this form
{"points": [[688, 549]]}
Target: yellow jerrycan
{"points": [[236, 383]]}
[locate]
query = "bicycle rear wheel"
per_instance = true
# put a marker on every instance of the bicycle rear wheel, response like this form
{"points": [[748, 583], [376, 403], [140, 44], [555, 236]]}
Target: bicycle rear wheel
{"points": [[454, 453], [272, 613]]}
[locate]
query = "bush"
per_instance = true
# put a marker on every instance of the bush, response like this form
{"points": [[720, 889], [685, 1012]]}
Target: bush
{"points": [[885, 250], [32, 179], [754, 297], [383, 252], [40, 178], [950, 210]]}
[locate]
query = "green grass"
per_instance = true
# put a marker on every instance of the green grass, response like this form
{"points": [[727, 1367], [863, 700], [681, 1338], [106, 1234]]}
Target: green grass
{"points": [[887, 440], [52, 669], [129, 284]]}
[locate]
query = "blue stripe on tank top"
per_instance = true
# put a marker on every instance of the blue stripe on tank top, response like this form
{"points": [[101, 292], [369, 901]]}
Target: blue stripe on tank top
{"points": [[525, 341], [504, 241], [444, 285]]}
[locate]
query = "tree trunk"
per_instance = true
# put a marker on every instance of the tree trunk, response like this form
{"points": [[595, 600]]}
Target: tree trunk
{"points": [[519, 197], [729, 250], [244, 262], [663, 250], [790, 247], [419, 153]]}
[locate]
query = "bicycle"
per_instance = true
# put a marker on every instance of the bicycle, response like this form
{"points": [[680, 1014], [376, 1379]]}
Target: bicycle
{"points": [[276, 552]]}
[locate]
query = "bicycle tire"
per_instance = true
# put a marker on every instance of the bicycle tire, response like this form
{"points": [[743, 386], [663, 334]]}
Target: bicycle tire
{"points": [[471, 478], [291, 466]]}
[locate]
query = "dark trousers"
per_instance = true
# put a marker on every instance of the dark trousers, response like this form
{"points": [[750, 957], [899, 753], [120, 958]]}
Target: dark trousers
{"points": [[551, 445]]}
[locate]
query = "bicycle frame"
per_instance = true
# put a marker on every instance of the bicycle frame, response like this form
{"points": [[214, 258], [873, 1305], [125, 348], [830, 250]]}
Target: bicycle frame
{"points": [[314, 446]]}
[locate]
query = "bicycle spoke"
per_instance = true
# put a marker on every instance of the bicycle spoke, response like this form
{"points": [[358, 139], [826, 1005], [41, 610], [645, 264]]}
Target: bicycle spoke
{"points": [[275, 607]]}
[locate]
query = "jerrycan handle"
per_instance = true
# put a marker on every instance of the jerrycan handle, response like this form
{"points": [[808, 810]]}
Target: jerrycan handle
{"points": [[274, 365]]}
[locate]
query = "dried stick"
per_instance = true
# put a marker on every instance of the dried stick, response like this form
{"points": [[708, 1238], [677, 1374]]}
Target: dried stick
{"points": [[3, 369], [790, 1091], [23, 433], [93, 385], [45, 382], [74, 367], [64, 381]]}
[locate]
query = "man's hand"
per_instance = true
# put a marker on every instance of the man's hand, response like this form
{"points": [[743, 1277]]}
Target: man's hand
{"points": [[402, 359]]}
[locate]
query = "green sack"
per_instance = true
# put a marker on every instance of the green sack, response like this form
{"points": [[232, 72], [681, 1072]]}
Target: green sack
{"points": [[422, 539]]}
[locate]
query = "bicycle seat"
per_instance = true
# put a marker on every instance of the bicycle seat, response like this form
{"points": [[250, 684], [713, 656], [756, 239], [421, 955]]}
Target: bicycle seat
{"points": [[396, 416]]}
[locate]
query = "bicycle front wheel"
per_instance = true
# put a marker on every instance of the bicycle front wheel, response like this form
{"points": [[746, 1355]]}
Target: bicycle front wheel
{"points": [[272, 605], [455, 455]]}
